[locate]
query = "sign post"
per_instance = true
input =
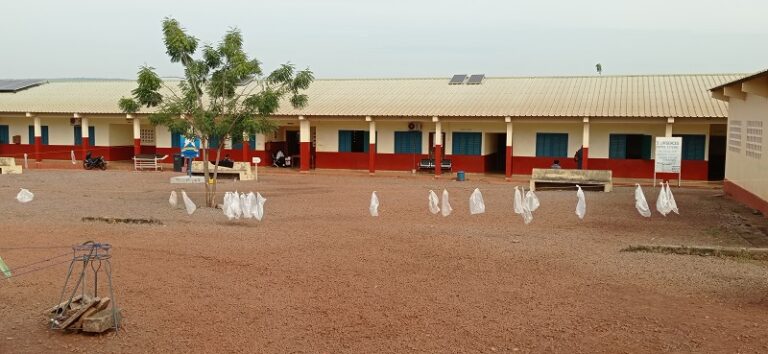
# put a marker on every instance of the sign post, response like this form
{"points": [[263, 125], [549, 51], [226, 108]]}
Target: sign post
{"points": [[668, 158], [189, 151]]}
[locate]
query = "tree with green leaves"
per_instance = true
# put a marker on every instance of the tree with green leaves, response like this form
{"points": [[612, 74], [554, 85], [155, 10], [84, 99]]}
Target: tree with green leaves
{"points": [[223, 95]]}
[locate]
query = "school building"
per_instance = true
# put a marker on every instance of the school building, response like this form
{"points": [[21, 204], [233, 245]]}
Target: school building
{"points": [[479, 124], [746, 168]]}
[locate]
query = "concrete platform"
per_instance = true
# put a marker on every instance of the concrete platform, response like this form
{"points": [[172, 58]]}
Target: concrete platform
{"points": [[187, 179]]}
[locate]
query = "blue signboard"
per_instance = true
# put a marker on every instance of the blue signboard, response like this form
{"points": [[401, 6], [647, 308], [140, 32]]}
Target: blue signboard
{"points": [[189, 150]]}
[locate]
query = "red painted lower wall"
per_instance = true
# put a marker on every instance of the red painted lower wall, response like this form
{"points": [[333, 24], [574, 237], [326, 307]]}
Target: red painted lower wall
{"points": [[63, 152], [745, 197]]}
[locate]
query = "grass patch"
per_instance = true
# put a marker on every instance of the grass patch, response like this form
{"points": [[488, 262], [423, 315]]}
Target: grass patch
{"points": [[122, 220], [759, 254]]}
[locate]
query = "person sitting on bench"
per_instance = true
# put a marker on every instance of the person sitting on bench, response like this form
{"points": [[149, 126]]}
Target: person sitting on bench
{"points": [[555, 165]]}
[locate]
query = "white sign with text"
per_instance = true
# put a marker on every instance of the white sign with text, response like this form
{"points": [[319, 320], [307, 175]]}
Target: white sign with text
{"points": [[669, 152]]}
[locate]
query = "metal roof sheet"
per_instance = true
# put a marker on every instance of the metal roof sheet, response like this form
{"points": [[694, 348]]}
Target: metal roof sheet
{"points": [[582, 96]]}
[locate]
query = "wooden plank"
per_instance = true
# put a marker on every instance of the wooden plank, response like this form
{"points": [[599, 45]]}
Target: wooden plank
{"points": [[77, 315], [101, 321], [101, 305]]}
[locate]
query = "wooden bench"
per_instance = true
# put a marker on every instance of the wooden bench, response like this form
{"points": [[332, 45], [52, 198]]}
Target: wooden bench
{"points": [[429, 164], [242, 169], [8, 166], [142, 162], [561, 177]]}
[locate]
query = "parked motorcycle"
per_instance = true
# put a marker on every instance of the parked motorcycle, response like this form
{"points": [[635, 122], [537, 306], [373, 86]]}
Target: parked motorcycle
{"points": [[91, 163]]}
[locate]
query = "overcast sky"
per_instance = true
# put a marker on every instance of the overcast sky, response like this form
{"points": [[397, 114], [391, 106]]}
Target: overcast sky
{"points": [[393, 38]]}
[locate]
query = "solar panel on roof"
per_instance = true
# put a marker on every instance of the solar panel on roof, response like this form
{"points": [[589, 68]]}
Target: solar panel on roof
{"points": [[18, 85], [457, 79], [476, 79]]}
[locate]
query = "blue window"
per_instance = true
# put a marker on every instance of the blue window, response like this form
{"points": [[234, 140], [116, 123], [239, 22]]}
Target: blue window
{"points": [[44, 131], [693, 146], [353, 140], [177, 140], [408, 142], [551, 144], [629, 146], [4, 135], [213, 142], [79, 135], [237, 145], [467, 143]]}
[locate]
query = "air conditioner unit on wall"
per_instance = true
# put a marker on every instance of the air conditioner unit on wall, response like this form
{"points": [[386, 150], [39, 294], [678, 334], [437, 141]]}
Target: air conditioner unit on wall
{"points": [[414, 126]]}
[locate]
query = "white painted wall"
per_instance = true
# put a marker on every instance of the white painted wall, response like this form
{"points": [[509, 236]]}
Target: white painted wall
{"points": [[749, 172]]}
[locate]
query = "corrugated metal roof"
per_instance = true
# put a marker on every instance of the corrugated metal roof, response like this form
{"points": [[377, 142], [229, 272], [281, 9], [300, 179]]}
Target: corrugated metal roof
{"points": [[741, 79], [588, 96]]}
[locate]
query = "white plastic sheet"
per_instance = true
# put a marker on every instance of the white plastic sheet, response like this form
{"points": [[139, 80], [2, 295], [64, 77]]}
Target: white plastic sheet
{"points": [[446, 205], [640, 203], [581, 205], [188, 203], [518, 201], [434, 206], [25, 196], [671, 201], [374, 207], [257, 209], [476, 204], [662, 203], [173, 200]]}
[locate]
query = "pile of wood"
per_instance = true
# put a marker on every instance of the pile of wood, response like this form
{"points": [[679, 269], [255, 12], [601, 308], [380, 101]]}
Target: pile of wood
{"points": [[84, 313]]}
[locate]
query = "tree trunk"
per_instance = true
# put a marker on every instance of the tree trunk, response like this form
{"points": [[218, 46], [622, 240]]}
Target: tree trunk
{"points": [[206, 174], [216, 174]]}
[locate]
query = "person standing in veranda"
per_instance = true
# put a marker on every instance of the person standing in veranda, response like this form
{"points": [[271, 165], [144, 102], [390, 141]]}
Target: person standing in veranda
{"points": [[578, 157]]}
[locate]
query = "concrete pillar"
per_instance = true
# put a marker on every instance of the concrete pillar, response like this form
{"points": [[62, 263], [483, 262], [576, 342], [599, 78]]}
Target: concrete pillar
{"points": [[371, 145], [668, 130], [304, 141], [85, 135], [38, 132], [136, 135], [246, 148], [508, 153], [585, 145], [438, 146]]}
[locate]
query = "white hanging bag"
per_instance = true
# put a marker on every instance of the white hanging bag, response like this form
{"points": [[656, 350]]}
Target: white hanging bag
{"points": [[640, 203], [531, 201], [173, 200], [518, 201], [374, 207], [246, 203], [226, 207], [662, 204], [257, 208], [446, 205], [188, 203], [671, 200], [25, 196], [434, 206], [581, 204], [476, 204]]}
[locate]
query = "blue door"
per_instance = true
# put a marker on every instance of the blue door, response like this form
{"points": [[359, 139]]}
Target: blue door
{"points": [[44, 131], [79, 135], [4, 137]]}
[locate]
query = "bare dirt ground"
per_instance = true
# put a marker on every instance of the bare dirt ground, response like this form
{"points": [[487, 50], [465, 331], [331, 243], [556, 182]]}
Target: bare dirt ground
{"points": [[320, 275]]}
